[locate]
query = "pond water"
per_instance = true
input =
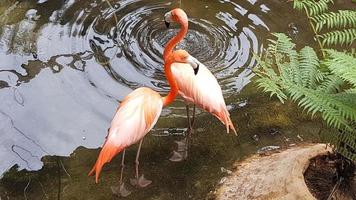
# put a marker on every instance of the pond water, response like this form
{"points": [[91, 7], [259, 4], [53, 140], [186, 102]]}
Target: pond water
{"points": [[66, 64]]}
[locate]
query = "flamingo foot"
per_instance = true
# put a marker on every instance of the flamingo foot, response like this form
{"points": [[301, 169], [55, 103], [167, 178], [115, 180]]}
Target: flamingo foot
{"points": [[178, 156], [120, 191], [140, 182], [182, 151], [182, 145]]}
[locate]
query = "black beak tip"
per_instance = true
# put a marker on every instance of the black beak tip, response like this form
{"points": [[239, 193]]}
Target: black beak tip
{"points": [[167, 23], [196, 70]]}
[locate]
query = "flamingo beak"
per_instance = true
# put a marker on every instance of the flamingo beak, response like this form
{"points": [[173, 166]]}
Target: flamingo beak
{"points": [[168, 18], [194, 63], [167, 23], [196, 70]]}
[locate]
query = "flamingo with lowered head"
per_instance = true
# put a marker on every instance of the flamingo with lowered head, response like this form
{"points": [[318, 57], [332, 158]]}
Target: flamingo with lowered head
{"points": [[134, 118], [197, 86]]}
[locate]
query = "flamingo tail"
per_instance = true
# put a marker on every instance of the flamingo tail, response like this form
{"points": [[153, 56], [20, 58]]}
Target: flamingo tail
{"points": [[229, 125], [106, 154], [224, 117]]}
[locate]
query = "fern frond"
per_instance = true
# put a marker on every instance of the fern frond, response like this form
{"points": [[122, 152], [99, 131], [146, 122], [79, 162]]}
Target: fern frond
{"points": [[307, 4], [282, 45], [316, 7], [286, 57], [295, 68], [341, 19], [270, 86], [298, 4], [331, 84], [332, 96], [346, 103], [342, 64], [335, 110], [346, 36], [332, 118], [346, 144], [309, 66]]}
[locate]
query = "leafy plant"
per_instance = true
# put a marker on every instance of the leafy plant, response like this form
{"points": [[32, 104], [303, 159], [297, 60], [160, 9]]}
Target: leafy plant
{"points": [[326, 25], [325, 87]]}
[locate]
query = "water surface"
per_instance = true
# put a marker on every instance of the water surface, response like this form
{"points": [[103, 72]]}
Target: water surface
{"points": [[65, 66]]}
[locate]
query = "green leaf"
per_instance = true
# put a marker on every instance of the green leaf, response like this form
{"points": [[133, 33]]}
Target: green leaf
{"points": [[343, 37], [341, 19], [342, 64]]}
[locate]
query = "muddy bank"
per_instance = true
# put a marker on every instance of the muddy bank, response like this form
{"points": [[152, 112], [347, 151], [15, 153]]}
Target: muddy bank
{"points": [[277, 176]]}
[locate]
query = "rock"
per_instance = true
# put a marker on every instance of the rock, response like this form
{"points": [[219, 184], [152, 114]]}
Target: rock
{"points": [[268, 149], [223, 170], [255, 138], [222, 180], [278, 176], [300, 138]]}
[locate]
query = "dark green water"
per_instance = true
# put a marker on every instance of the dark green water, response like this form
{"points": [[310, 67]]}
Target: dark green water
{"points": [[65, 65]]}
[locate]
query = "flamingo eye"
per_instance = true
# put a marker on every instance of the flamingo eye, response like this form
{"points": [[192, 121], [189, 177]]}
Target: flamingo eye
{"points": [[185, 58], [168, 17]]}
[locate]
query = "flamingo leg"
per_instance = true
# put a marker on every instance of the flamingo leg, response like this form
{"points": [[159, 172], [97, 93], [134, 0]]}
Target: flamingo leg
{"points": [[139, 181], [183, 145], [188, 118], [193, 118], [190, 122], [137, 163], [121, 189], [191, 126], [189, 131], [122, 166]]}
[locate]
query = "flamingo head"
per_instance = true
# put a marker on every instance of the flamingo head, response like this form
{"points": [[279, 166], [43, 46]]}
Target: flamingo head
{"points": [[182, 56], [175, 15]]}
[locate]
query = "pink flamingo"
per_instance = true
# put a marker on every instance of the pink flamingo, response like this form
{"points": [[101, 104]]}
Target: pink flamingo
{"points": [[134, 118], [198, 86]]}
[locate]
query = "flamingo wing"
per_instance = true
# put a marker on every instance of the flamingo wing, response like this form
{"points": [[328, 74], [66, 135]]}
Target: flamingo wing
{"points": [[134, 118], [203, 90]]}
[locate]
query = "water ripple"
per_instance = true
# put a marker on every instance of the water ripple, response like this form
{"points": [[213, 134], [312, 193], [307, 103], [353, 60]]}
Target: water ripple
{"points": [[139, 37], [67, 64]]}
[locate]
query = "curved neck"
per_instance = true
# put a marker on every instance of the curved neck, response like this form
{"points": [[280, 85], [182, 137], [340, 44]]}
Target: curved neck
{"points": [[172, 83], [174, 41]]}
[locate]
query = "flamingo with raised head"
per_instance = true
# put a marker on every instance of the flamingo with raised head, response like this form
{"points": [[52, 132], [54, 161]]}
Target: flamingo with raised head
{"points": [[198, 86], [134, 118]]}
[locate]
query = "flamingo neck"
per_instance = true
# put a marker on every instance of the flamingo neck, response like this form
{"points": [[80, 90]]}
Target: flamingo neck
{"points": [[174, 41], [172, 83]]}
